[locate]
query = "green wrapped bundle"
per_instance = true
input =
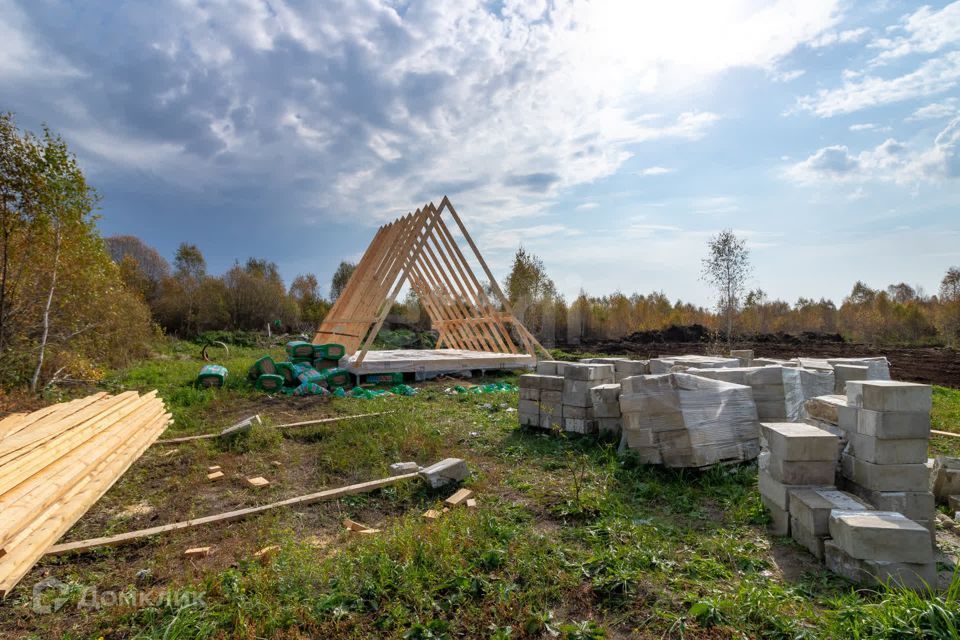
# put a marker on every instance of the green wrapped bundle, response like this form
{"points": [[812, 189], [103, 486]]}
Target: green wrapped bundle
{"points": [[286, 371], [299, 349], [403, 390], [262, 366], [330, 351], [305, 373], [311, 389], [270, 382], [322, 364], [308, 361], [337, 377], [212, 375]]}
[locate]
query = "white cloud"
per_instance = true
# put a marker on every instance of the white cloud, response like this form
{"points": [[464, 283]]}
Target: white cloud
{"points": [[839, 37], [948, 108], [378, 108], [587, 205], [21, 56], [654, 171], [890, 161], [868, 126], [932, 77], [787, 76], [925, 31]]}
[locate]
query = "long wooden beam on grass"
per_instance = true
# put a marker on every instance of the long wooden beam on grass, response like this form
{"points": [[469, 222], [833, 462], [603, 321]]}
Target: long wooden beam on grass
{"points": [[210, 436], [229, 516]]}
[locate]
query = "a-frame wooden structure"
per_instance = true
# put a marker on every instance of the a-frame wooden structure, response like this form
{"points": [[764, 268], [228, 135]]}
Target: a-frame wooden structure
{"points": [[420, 249]]}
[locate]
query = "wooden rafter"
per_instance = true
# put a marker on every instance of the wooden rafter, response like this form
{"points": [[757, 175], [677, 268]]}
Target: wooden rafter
{"points": [[419, 249]]}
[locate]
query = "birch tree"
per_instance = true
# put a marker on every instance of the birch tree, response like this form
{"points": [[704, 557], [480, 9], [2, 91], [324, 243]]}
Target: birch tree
{"points": [[726, 268]]}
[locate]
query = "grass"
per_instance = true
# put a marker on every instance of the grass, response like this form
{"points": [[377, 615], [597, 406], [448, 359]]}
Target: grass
{"points": [[569, 540]]}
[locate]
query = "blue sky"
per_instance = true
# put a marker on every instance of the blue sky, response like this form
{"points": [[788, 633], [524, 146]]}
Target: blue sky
{"points": [[610, 138]]}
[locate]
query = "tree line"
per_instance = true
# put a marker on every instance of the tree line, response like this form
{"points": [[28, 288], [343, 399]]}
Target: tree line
{"points": [[73, 304]]}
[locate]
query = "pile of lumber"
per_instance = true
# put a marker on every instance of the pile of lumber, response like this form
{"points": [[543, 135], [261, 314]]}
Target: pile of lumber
{"points": [[55, 463]]}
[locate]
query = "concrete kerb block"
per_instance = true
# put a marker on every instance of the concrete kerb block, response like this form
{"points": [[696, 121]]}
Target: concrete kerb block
{"points": [[445, 472], [916, 505], [812, 507], [885, 477], [780, 525], [880, 535], [806, 538], [589, 372], [846, 373], [883, 451], [890, 395], [797, 441], [918, 577]]}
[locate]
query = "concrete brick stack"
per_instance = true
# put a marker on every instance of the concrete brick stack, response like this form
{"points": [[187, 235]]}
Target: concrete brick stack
{"points": [[875, 547], [888, 427], [682, 420], [796, 455], [777, 392], [810, 511], [844, 373], [666, 364], [551, 367], [578, 379], [824, 412], [622, 367], [606, 409], [541, 401], [744, 356]]}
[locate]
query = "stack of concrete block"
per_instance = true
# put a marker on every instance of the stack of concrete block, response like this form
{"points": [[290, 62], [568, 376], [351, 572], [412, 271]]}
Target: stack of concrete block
{"points": [[622, 367], [578, 379], [878, 367], [810, 515], [743, 356], [844, 373], [945, 479], [541, 402], [880, 547], [824, 412], [766, 362], [666, 364], [682, 420], [817, 382], [777, 392], [606, 409], [885, 462], [797, 455], [736, 375], [551, 367]]}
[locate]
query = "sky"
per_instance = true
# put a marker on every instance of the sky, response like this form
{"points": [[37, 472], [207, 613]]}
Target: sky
{"points": [[611, 139]]}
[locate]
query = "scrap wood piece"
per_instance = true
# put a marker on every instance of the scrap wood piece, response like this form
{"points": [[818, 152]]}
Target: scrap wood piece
{"points": [[431, 514], [233, 429], [471, 503], [265, 554], [944, 433], [216, 475], [357, 528], [258, 481], [57, 466], [229, 516], [213, 468], [197, 552], [457, 498]]}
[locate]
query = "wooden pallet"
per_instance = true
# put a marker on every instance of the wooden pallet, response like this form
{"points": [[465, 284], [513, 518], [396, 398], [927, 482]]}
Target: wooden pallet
{"points": [[423, 361], [419, 249]]}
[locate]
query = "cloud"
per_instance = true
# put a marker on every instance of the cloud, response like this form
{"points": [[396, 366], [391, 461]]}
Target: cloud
{"points": [[925, 31], [890, 161], [654, 171], [787, 76], [949, 108], [868, 126], [934, 76], [587, 205], [831, 38], [375, 106]]}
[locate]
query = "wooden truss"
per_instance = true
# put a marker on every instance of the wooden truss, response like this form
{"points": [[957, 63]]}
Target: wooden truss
{"points": [[420, 249]]}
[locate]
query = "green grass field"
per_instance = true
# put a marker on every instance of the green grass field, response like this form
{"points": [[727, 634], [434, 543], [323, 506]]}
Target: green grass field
{"points": [[569, 540]]}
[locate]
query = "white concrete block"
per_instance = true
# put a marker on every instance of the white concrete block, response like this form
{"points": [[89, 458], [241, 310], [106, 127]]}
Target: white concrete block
{"points": [[790, 441], [812, 507], [880, 535], [806, 538], [885, 477], [873, 572], [890, 395], [528, 406], [882, 451], [609, 427], [845, 373], [803, 472], [781, 518], [528, 419], [444, 472], [777, 492], [400, 468], [916, 505], [600, 373], [825, 408]]}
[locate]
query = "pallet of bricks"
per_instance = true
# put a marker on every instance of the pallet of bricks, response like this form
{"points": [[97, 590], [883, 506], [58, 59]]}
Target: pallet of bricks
{"points": [[581, 397], [878, 526]]}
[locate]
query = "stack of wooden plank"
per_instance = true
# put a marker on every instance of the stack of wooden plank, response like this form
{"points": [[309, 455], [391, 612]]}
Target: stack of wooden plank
{"points": [[55, 463]]}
